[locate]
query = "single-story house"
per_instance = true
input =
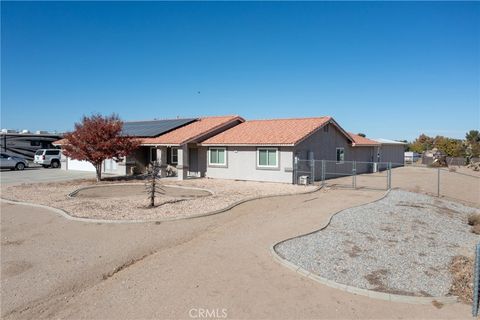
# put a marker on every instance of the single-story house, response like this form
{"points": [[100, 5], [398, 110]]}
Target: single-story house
{"points": [[181, 148], [271, 150], [172, 142], [228, 147]]}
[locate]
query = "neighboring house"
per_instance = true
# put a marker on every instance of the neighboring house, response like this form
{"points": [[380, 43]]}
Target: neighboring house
{"points": [[173, 142], [412, 157], [265, 150]]}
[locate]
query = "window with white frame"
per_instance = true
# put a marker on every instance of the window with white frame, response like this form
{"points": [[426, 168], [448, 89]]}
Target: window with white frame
{"points": [[174, 156], [267, 157], [217, 156], [340, 155]]}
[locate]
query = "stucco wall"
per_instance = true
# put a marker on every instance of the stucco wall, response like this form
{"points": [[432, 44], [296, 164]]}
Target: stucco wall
{"points": [[324, 145], [242, 165], [393, 153]]}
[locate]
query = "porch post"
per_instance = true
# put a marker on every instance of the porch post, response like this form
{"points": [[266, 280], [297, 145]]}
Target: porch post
{"points": [[162, 160], [182, 167]]}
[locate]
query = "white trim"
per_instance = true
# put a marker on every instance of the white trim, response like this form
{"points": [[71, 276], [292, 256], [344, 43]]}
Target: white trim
{"points": [[224, 156], [266, 166], [336, 154], [171, 155]]}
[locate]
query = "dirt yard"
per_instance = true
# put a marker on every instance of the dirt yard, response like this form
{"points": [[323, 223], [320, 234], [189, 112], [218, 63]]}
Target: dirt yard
{"points": [[129, 203], [162, 271]]}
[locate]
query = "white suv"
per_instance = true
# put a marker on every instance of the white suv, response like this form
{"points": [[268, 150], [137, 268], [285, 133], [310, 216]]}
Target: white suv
{"points": [[48, 157]]}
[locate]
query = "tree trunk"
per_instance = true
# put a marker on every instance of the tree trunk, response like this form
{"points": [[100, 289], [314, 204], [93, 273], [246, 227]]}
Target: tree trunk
{"points": [[98, 169], [152, 192]]}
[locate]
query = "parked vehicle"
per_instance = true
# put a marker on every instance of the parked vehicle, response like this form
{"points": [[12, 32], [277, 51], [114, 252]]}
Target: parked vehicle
{"points": [[12, 162], [48, 158], [24, 144]]}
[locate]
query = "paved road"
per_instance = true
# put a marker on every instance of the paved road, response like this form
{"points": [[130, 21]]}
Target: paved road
{"points": [[39, 174], [57, 268]]}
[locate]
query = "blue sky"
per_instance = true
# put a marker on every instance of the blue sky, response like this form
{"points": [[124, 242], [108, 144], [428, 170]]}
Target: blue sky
{"points": [[391, 70]]}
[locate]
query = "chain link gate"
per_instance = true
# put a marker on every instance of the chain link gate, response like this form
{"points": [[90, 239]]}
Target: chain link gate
{"points": [[352, 174]]}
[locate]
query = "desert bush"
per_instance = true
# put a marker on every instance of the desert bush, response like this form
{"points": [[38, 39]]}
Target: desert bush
{"points": [[476, 229], [461, 268], [474, 219]]}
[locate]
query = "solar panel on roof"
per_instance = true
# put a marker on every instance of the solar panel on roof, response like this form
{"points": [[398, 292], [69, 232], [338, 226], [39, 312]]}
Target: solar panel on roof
{"points": [[152, 128]]}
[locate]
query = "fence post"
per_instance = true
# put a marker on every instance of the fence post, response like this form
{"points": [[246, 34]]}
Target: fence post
{"points": [[476, 280], [323, 173], [389, 175], [354, 174], [313, 170], [438, 182], [295, 170]]}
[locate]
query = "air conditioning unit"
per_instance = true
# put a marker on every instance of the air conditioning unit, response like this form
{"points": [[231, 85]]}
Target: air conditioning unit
{"points": [[304, 180]]}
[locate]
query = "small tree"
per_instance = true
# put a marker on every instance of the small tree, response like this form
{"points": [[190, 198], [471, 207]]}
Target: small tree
{"points": [[152, 186], [97, 138]]}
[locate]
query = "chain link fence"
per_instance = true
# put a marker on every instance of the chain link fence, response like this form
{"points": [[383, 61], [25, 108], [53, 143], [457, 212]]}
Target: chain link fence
{"points": [[458, 183], [353, 174]]}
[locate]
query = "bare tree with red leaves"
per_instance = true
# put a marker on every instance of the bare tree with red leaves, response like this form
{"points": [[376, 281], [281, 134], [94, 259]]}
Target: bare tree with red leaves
{"points": [[97, 138]]}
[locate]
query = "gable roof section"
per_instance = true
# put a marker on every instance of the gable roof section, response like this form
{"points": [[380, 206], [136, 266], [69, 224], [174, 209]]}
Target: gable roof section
{"points": [[359, 141], [192, 132], [275, 132], [153, 128]]}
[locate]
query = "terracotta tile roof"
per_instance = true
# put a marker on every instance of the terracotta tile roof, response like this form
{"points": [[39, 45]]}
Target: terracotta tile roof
{"points": [[60, 142], [359, 141], [193, 131], [269, 132]]}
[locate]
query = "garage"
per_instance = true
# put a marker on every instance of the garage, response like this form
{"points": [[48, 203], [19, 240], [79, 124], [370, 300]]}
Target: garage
{"points": [[79, 165]]}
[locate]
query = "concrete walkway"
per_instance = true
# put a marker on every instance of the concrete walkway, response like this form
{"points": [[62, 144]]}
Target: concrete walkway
{"points": [[54, 268]]}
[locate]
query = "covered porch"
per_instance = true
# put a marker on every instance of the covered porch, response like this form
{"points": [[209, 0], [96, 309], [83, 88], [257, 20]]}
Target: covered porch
{"points": [[181, 161]]}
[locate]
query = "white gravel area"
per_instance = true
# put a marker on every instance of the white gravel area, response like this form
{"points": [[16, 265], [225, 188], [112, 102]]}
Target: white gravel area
{"points": [[134, 207], [402, 244]]}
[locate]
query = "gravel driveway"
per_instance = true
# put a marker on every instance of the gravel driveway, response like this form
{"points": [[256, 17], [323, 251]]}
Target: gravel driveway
{"points": [[402, 244]]}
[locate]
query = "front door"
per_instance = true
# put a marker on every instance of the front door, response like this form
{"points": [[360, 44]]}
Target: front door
{"points": [[193, 162]]}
